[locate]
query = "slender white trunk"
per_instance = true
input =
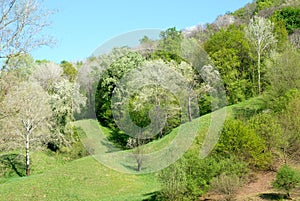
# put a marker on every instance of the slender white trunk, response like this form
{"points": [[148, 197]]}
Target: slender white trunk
{"points": [[258, 73], [27, 154], [189, 109]]}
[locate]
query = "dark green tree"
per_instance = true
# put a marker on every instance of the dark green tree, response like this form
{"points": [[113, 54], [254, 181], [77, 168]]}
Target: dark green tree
{"points": [[108, 82], [230, 53]]}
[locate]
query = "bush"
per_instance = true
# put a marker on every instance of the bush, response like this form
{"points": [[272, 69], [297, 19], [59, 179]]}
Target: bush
{"points": [[267, 127], [226, 185], [242, 142], [199, 173], [173, 180], [286, 179], [191, 177]]}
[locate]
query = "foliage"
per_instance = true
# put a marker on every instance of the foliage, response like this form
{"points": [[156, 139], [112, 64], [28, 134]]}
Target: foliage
{"points": [[107, 83], [290, 122], [283, 75], [65, 101], [69, 71], [268, 128], [226, 185], [76, 149], [260, 33], [286, 179], [47, 74], [174, 182], [170, 41], [290, 16], [266, 4], [199, 173], [28, 122], [241, 141], [22, 22], [229, 51], [191, 177]]}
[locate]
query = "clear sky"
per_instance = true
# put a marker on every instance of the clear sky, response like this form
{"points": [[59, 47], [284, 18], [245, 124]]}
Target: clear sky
{"points": [[81, 26]]}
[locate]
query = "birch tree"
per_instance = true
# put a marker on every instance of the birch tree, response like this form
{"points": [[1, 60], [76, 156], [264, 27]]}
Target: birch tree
{"points": [[21, 23], [27, 125], [260, 33]]}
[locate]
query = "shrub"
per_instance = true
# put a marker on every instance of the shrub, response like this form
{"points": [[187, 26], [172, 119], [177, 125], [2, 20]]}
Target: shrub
{"points": [[242, 142], [226, 185], [286, 179], [267, 127], [173, 180]]}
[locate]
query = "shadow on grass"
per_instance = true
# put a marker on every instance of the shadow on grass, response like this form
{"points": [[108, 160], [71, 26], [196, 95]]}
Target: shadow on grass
{"points": [[273, 196], [12, 164], [253, 107], [153, 196]]}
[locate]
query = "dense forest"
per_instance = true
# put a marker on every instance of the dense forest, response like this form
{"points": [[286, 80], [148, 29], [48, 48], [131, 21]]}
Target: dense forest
{"points": [[246, 61]]}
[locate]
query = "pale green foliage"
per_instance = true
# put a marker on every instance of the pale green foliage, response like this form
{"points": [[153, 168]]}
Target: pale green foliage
{"points": [[65, 100], [21, 24], [22, 65], [260, 33], [47, 74], [226, 185], [28, 109], [283, 72]]}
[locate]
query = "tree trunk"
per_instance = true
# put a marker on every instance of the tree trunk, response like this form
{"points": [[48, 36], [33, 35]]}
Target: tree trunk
{"points": [[27, 155], [189, 109], [258, 73], [139, 163], [139, 156]]}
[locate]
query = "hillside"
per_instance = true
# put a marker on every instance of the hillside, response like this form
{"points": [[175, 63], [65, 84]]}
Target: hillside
{"points": [[87, 179]]}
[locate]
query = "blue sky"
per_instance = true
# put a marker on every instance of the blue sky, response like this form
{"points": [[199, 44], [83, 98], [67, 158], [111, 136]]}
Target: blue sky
{"points": [[80, 27]]}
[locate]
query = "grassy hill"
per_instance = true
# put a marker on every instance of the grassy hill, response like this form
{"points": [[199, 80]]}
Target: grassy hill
{"points": [[83, 179], [87, 179]]}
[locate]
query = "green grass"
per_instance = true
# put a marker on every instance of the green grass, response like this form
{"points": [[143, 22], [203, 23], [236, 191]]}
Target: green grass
{"points": [[83, 179], [87, 179]]}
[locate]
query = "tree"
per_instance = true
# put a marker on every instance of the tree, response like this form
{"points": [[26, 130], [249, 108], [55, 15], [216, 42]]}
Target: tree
{"points": [[47, 74], [260, 33], [107, 83], [230, 51], [286, 179], [283, 73], [69, 70], [291, 17], [21, 22], [30, 112], [65, 100], [171, 41]]}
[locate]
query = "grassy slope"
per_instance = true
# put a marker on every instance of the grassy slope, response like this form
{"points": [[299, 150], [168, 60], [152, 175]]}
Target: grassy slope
{"points": [[86, 179], [83, 179]]}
